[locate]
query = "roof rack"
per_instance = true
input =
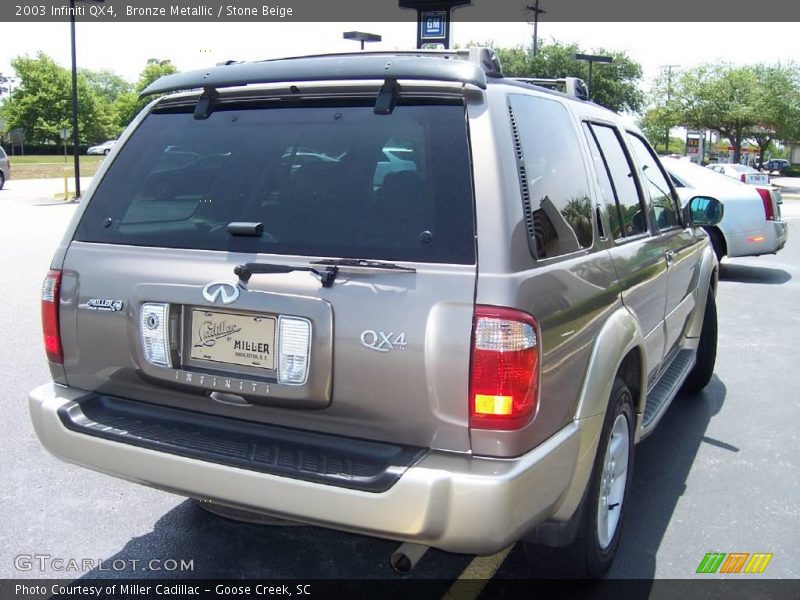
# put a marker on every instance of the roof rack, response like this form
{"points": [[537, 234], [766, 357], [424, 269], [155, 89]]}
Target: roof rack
{"points": [[474, 66], [573, 86]]}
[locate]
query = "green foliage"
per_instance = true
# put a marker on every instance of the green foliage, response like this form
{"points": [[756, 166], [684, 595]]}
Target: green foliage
{"points": [[41, 104], [615, 85], [792, 171], [107, 85], [751, 102], [128, 104], [777, 101]]}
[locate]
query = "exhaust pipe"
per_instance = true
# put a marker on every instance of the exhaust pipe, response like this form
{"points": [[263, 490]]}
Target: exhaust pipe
{"points": [[407, 556]]}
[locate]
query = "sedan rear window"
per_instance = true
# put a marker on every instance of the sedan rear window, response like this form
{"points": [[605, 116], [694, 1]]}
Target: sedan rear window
{"points": [[322, 179]]}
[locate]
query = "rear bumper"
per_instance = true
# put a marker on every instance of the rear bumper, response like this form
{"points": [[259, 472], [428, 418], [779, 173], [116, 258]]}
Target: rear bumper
{"points": [[451, 501], [769, 241]]}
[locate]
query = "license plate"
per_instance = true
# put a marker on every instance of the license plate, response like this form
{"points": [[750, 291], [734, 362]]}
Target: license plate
{"points": [[245, 340]]}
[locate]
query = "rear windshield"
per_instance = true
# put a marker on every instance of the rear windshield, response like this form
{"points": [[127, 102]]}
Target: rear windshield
{"points": [[323, 180]]}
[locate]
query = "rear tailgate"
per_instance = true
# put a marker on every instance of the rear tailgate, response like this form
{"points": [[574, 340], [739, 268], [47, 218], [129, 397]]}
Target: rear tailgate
{"points": [[151, 309]]}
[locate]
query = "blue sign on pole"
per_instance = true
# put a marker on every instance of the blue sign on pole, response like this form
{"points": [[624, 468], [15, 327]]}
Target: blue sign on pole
{"points": [[433, 25]]}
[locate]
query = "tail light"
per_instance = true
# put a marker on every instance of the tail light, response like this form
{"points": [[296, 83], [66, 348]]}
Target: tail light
{"points": [[294, 347], [504, 374], [766, 199], [51, 291], [743, 178], [154, 327]]}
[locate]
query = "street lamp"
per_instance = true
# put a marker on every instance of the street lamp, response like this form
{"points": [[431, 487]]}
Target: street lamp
{"points": [[75, 136], [360, 36], [592, 58]]}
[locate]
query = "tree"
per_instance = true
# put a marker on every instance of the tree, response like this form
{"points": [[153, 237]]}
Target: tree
{"points": [[128, 104], [663, 112], [777, 100], [615, 85], [106, 84], [41, 103], [720, 97]]}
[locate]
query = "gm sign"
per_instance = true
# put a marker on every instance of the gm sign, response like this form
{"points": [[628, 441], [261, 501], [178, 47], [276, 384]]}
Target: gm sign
{"points": [[433, 25], [433, 19]]}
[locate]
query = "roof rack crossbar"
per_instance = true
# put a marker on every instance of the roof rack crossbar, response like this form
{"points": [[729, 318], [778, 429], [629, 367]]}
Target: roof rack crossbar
{"points": [[479, 64], [573, 86]]}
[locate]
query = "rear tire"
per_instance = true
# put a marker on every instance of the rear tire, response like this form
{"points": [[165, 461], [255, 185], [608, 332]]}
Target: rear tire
{"points": [[603, 505], [703, 368], [2, 180]]}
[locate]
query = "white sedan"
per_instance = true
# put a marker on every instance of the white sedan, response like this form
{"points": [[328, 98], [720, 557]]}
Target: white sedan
{"points": [[103, 148], [751, 224], [743, 173]]}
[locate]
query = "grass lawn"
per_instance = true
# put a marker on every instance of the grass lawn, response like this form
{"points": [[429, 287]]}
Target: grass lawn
{"points": [[51, 166]]}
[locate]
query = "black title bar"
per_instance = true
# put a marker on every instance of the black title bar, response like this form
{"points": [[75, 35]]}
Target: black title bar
{"points": [[388, 10]]}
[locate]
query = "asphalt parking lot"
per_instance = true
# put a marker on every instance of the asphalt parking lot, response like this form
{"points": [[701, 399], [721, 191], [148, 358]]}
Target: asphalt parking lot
{"points": [[721, 473]]}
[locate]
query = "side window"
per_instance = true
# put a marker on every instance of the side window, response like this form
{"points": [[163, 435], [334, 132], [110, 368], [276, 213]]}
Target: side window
{"points": [[558, 206], [630, 218], [664, 207]]}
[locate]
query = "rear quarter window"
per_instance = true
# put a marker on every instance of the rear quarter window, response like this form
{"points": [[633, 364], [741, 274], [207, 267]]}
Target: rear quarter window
{"points": [[554, 174], [322, 179]]}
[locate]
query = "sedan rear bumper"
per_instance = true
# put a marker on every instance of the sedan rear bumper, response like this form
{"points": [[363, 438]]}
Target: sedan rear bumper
{"points": [[456, 502], [771, 239]]}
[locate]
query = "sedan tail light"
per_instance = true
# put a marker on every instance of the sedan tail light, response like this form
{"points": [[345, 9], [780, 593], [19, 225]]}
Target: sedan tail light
{"points": [[504, 374], [743, 177], [51, 291], [766, 199]]}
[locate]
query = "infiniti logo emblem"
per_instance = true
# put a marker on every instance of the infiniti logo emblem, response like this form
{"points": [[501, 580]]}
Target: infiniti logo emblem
{"points": [[219, 290]]}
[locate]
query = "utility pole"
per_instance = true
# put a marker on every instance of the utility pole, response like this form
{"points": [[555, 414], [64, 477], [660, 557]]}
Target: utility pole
{"points": [[536, 12], [75, 134], [669, 97]]}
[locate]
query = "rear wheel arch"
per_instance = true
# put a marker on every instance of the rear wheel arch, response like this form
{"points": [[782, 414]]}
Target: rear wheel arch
{"points": [[718, 241], [618, 347], [631, 371]]}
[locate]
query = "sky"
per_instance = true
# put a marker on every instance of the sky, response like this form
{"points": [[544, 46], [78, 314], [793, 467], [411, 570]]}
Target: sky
{"points": [[125, 47]]}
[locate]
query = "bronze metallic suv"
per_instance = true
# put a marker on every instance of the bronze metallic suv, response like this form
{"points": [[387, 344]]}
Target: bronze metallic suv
{"points": [[395, 294]]}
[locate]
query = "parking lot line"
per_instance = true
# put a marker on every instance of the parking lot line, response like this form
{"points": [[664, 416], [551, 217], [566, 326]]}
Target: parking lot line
{"points": [[475, 576]]}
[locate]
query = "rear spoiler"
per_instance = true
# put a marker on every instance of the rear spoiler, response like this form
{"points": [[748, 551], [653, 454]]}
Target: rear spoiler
{"points": [[468, 67]]}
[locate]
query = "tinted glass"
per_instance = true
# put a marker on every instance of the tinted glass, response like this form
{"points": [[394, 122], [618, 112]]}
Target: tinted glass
{"points": [[664, 205], [317, 177], [556, 177], [606, 185], [2, 153], [631, 216]]}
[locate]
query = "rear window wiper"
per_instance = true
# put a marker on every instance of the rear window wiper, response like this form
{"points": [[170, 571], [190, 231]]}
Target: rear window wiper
{"points": [[247, 270], [327, 275], [363, 263]]}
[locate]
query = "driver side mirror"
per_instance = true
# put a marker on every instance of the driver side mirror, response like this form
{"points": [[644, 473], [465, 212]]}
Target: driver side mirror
{"points": [[703, 211]]}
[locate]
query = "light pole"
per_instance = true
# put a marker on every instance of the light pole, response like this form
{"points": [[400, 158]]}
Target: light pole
{"points": [[75, 136], [360, 36], [591, 59], [536, 12]]}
